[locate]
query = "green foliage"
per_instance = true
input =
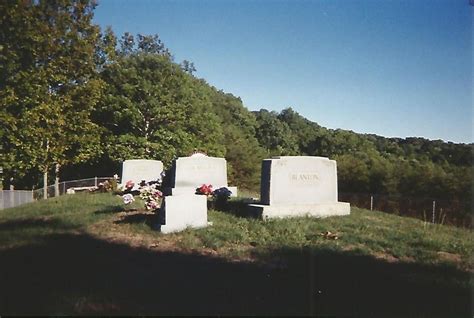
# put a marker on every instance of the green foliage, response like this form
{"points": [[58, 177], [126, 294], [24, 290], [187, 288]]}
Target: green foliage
{"points": [[373, 164], [48, 84], [153, 109], [275, 135], [243, 152]]}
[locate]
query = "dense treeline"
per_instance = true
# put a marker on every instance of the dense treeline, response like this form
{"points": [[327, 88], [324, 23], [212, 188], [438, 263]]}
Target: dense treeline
{"points": [[370, 163], [77, 101]]}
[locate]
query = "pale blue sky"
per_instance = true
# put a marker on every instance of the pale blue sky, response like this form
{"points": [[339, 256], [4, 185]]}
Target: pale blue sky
{"points": [[393, 68]]}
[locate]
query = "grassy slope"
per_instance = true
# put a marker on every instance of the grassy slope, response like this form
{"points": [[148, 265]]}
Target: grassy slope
{"points": [[84, 254]]}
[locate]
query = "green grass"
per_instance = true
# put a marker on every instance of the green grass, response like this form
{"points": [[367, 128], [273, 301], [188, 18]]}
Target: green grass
{"points": [[422, 257], [363, 232], [30, 223]]}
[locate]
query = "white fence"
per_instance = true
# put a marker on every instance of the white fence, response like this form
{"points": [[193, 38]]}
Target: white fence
{"points": [[13, 198]]}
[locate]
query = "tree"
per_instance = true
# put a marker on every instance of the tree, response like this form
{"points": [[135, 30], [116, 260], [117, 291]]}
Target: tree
{"points": [[275, 135], [47, 83], [152, 108], [243, 152], [188, 67]]}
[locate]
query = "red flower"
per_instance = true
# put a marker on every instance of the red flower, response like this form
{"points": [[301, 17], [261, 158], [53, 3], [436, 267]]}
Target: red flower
{"points": [[204, 189]]}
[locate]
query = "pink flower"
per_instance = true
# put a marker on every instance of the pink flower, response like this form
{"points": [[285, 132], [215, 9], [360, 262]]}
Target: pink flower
{"points": [[152, 205], [129, 184]]}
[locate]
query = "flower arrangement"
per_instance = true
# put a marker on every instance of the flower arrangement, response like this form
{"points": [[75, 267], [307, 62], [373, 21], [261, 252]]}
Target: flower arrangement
{"points": [[205, 189], [221, 196], [151, 195], [147, 191], [222, 193], [107, 186]]}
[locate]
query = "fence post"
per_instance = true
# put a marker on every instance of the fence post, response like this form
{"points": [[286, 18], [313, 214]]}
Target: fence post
{"points": [[371, 203], [64, 187], [95, 181], [11, 197], [434, 209]]}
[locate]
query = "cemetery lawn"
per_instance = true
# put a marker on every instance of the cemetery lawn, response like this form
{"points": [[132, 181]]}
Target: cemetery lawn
{"points": [[90, 254]]}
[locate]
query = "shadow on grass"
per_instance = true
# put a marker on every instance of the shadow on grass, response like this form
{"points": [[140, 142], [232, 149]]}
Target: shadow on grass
{"points": [[28, 224], [150, 219], [237, 207], [111, 209], [78, 274]]}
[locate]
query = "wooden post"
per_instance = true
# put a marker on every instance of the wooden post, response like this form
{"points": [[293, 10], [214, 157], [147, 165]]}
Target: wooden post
{"points": [[434, 211], [371, 203], [95, 181]]}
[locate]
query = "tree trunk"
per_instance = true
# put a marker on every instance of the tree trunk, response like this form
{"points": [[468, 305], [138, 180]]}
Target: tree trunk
{"points": [[56, 180], [45, 173], [45, 183]]}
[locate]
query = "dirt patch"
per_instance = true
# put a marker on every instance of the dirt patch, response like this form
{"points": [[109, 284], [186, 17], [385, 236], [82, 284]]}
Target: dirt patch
{"points": [[450, 257], [352, 247], [408, 259], [114, 230], [386, 257]]}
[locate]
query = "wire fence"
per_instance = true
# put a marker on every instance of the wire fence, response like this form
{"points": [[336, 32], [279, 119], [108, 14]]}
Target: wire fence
{"points": [[13, 198], [76, 185], [440, 211]]}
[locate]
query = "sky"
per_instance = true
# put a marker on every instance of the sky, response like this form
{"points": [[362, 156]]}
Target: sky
{"points": [[392, 68]]}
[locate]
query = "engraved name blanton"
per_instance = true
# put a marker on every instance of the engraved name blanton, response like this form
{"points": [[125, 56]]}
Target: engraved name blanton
{"points": [[304, 177]]}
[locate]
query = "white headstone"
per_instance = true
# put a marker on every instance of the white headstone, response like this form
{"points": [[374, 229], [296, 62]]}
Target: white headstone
{"points": [[303, 185], [192, 172], [183, 211], [200, 169], [138, 170]]}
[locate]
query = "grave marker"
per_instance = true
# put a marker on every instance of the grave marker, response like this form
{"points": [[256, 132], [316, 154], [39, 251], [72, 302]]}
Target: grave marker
{"points": [[299, 185], [189, 173], [179, 212], [137, 170]]}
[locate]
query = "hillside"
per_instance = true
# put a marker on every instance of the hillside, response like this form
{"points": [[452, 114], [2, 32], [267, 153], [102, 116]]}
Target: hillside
{"points": [[78, 103], [88, 254]]}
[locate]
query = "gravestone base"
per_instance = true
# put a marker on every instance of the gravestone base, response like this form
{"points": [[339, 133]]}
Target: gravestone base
{"points": [[284, 211], [192, 190], [184, 211]]}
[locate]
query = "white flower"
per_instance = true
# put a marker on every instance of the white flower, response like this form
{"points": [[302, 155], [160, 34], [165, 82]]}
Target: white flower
{"points": [[128, 198]]}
